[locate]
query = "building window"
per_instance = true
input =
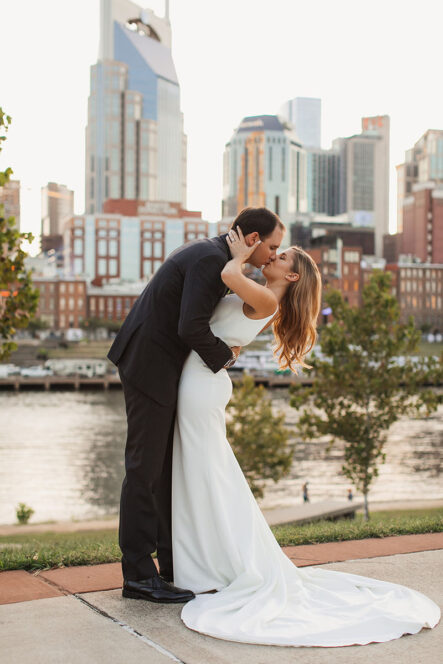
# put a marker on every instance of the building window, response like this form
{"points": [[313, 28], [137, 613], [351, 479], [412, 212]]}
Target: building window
{"points": [[257, 169], [78, 266], [351, 256], [270, 162], [283, 164], [112, 267], [130, 184], [153, 246]]}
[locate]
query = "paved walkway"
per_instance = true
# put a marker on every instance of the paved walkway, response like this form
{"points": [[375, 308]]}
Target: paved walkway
{"points": [[78, 616]]}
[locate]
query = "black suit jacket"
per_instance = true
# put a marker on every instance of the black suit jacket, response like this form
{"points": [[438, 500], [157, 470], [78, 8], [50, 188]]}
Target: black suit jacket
{"points": [[171, 317]]}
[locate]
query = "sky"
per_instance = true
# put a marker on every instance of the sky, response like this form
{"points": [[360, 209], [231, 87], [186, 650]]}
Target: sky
{"points": [[233, 58]]}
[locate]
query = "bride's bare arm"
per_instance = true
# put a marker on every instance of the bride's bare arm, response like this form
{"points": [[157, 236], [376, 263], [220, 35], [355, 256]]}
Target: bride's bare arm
{"points": [[260, 298]]}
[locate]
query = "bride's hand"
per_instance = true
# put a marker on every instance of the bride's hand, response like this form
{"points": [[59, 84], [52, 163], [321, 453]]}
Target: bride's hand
{"points": [[238, 247]]}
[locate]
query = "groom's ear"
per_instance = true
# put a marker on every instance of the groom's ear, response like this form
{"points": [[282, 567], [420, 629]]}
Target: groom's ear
{"points": [[251, 238]]}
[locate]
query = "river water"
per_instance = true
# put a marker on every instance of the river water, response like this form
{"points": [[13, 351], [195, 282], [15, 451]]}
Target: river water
{"points": [[62, 454]]}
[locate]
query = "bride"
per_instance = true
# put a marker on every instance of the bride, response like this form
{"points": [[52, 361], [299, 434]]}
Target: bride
{"points": [[221, 541]]}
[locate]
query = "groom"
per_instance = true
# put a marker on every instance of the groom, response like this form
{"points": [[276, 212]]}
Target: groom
{"points": [[170, 317]]}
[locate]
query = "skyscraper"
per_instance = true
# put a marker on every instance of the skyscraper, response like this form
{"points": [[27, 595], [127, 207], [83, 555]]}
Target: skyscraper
{"points": [[264, 165], [364, 176], [304, 113], [57, 206], [135, 145], [323, 181], [10, 199]]}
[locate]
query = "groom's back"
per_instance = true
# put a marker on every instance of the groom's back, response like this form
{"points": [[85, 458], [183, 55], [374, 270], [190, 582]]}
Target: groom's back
{"points": [[148, 348]]}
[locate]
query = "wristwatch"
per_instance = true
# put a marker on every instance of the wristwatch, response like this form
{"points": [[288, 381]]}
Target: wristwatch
{"points": [[230, 362]]}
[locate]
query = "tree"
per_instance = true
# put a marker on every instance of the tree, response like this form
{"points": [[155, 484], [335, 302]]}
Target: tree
{"points": [[258, 438], [18, 299], [37, 324], [366, 379], [93, 324]]}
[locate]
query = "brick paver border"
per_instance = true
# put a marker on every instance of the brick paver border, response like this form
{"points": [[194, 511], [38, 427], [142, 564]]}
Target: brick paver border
{"points": [[21, 586]]}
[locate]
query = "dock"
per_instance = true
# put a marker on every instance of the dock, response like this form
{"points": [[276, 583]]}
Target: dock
{"points": [[112, 381], [308, 512], [47, 383]]}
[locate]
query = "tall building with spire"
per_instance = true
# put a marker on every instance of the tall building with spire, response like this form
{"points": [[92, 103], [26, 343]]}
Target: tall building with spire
{"points": [[135, 143]]}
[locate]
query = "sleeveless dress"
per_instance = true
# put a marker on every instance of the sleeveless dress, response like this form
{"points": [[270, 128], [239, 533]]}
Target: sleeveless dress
{"points": [[221, 540]]}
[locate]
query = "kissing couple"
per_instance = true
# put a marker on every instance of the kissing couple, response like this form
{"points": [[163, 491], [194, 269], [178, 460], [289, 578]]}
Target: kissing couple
{"points": [[184, 494]]}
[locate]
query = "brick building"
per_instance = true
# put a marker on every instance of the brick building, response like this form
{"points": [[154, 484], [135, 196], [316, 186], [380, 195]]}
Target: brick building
{"points": [[62, 302], [113, 301], [419, 290], [340, 268], [423, 223]]}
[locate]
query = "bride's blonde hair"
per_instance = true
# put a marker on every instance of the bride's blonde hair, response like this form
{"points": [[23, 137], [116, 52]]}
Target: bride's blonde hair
{"points": [[295, 326]]}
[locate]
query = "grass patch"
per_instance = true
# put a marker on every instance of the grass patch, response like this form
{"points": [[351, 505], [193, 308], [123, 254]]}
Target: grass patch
{"points": [[380, 524], [46, 550]]}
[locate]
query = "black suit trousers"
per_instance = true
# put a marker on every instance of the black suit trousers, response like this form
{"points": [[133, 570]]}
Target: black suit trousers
{"points": [[145, 505]]}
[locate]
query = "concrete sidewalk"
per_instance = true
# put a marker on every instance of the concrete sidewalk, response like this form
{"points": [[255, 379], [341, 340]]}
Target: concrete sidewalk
{"points": [[76, 615], [104, 628]]}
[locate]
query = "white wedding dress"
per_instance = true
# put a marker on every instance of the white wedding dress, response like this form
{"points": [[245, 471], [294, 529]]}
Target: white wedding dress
{"points": [[222, 542]]}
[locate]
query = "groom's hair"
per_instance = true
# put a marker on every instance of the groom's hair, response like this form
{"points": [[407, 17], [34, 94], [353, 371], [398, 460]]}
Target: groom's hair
{"points": [[257, 219]]}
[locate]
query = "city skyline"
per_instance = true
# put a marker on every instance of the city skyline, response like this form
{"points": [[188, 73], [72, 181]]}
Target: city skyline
{"points": [[359, 77]]}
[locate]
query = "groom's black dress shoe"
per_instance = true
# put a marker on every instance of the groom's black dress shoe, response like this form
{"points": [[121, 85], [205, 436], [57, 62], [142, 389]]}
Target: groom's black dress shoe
{"points": [[156, 589]]}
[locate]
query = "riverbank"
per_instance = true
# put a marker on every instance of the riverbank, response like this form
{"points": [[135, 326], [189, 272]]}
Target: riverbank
{"points": [[21, 550], [111, 522]]}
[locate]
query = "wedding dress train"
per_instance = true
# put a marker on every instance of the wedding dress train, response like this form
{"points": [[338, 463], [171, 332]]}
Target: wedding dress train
{"points": [[222, 542]]}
